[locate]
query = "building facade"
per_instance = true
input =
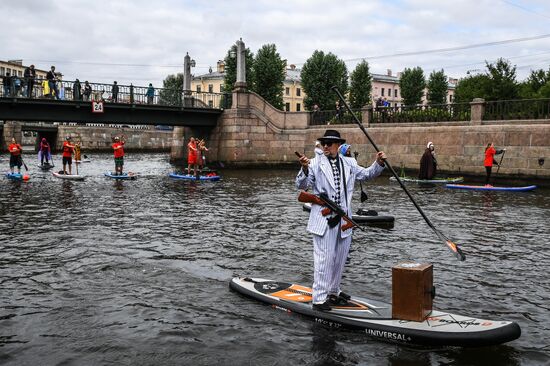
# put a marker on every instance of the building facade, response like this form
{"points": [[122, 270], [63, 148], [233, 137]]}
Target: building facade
{"points": [[16, 68], [384, 87]]}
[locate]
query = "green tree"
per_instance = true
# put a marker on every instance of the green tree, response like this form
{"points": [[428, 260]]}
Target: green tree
{"points": [[531, 86], [412, 84], [470, 87], [319, 74], [172, 90], [502, 80], [437, 88], [269, 75], [231, 69], [361, 86]]}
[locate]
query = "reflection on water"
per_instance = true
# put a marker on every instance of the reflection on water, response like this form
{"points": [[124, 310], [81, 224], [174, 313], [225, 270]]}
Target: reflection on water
{"points": [[136, 272]]}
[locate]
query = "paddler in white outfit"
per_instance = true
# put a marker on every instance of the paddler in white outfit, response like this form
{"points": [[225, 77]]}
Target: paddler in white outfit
{"points": [[335, 175]]}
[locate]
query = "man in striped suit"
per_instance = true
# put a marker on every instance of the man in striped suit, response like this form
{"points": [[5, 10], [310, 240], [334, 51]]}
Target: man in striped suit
{"points": [[334, 175]]}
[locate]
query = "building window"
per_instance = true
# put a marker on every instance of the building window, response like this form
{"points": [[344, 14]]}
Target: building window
{"points": [[19, 73], [395, 93], [298, 92], [287, 91], [382, 91], [287, 106], [210, 88], [221, 88], [389, 92], [211, 103], [298, 106], [198, 88], [450, 98], [2, 71]]}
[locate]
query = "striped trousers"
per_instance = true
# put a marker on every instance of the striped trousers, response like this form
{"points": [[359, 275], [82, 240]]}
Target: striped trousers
{"points": [[330, 252]]}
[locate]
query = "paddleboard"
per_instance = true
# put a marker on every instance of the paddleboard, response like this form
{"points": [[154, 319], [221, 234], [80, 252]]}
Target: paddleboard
{"points": [[68, 176], [45, 166], [14, 176], [365, 217], [192, 177], [82, 161], [374, 317], [125, 176], [483, 188], [432, 181]]}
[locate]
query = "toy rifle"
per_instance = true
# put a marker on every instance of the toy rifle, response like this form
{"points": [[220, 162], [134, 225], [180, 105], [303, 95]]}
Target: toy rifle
{"points": [[329, 207]]}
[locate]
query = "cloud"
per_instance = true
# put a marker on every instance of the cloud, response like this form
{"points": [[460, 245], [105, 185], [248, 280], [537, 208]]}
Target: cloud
{"points": [[102, 41]]}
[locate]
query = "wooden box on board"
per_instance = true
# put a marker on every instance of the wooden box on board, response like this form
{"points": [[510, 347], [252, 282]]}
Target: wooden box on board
{"points": [[412, 291]]}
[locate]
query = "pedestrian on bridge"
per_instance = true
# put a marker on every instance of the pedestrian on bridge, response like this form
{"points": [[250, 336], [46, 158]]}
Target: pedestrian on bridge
{"points": [[77, 90], [114, 93], [87, 90], [150, 94], [6, 80], [29, 75], [52, 82]]}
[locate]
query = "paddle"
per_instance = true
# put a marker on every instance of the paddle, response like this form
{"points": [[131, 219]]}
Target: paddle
{"points": [[500, 162], [25, 165], [364, 196], [452, 246]]}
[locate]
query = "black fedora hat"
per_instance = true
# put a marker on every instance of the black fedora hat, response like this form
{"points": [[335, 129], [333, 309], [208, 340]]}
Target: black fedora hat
{"points": [[332, 136]]}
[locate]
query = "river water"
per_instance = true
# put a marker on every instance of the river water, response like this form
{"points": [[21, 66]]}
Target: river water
{"points": [[137, 272]]}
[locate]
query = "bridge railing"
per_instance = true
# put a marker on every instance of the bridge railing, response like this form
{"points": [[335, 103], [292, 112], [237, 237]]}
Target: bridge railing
{"points": [[517, 109], [422, 113], [126, 94]]}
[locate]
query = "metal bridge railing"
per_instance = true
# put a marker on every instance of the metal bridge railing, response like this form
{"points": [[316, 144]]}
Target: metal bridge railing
{"points": [[517, 109], [127, 94], [423, 113]]}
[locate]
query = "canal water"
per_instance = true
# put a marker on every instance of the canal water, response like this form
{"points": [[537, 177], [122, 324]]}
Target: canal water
{"points": [[137, 272]]}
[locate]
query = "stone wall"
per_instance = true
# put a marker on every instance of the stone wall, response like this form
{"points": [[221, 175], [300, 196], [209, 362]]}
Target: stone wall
{"points": [[253, 133], [100, 138]]}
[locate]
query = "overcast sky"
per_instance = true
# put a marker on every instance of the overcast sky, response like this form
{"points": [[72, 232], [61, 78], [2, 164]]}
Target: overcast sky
{"points": [[143, 41]]}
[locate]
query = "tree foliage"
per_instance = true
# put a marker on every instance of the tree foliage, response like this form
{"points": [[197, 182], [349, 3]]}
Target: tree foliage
{"points": [[534, 84], [172, 90], [269, 75], [502, 80], [437, 88], [360, 86], [319, 74], [470, 87], [412, 84]]}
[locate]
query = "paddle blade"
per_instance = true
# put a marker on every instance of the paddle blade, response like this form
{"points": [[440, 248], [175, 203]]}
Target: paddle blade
{"points": [[364, 196], [455, 249]]}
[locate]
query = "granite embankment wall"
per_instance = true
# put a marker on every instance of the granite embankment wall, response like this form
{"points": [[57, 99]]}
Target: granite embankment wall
{"points": [[253, 133], [97, 138]]}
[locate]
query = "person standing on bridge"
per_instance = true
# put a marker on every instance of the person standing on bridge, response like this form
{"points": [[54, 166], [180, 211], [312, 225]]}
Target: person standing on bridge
{"points": [[29, 74], [15, 155], [68, 150], [52, 82], [118, 147], [192, 156], [334, 175], [150, 94], [77, 90], [87, 90], [114, 93]]}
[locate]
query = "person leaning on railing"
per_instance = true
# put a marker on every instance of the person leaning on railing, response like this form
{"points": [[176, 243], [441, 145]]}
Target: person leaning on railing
{"points": [[6, 80], [87, 90]]}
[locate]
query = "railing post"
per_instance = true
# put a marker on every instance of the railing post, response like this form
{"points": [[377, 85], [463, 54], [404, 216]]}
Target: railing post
{"points": [[477, 109], [367, 115]]}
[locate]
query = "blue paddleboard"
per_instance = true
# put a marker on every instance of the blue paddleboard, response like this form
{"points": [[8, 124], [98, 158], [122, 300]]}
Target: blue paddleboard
{"points": [[192, 177], [14, 176], [125, 176], [483, 188]]}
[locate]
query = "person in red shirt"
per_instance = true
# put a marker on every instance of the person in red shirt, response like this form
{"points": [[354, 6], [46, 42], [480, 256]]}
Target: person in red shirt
{"points": [[192, 156], [68, 149], [15, 155], [118, 147], [489, 161]]}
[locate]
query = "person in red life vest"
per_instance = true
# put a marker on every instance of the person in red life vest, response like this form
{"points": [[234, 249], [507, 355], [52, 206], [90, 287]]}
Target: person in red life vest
{"points": [[489, 161], [192, 156], [44, 152], [15, 155], [118, 147], [68, 149]]}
